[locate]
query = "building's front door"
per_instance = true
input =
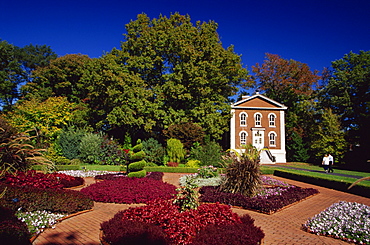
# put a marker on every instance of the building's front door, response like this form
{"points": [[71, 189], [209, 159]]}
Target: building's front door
{"points": [[258, 137]]}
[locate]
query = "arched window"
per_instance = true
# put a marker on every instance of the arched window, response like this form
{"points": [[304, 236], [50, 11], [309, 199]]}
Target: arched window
{"points": [[272, 119], [272, 139], [257, 119], [243, 138], [243, 119]]}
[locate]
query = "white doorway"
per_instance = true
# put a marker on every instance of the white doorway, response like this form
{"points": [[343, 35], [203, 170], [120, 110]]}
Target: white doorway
{"points": [[258, 139]]}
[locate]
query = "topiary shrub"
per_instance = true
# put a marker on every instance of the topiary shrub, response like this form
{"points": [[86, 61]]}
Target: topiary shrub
{"points": [[12, 230], [138, 174], [137, 162], [130, 232]]}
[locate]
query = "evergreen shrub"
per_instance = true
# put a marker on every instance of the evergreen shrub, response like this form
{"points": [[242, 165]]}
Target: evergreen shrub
{"points": [[154, 151], [137, 174]]}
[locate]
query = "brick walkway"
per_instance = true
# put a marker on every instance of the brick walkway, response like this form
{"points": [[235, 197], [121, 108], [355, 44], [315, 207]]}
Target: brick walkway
{"points": [[283, 227]]}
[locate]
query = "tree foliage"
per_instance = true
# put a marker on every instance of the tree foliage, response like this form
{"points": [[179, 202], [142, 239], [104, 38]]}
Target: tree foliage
{"points": [[62, 77], [47, 117], [328, 137], [184, 69], [291, 83], [347, 93], [175, 151], [187, 132]]}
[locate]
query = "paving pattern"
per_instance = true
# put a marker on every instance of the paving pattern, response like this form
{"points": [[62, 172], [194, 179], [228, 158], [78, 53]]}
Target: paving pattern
{"points": [[283, 227]]}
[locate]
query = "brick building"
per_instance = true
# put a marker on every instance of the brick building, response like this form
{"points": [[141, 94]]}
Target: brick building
{"points": [[260, 121]]}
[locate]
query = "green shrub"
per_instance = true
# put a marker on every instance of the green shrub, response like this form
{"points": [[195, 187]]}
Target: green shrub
{"points": [[76, 161], [210, 153], [171, 169], [154, 151], [137, 166], [138, 174], [69, 142], [192, 164], [90, 148], [175, 150], [137, 162]]}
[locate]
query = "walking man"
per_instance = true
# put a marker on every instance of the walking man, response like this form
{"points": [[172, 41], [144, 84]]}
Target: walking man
{"points": [[331, 163]]}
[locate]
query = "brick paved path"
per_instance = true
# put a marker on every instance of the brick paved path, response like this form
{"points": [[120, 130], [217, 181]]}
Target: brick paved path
{"points": [[283, 227]]}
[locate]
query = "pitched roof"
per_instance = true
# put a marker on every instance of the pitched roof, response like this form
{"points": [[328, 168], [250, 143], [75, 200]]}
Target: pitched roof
{"points": [[268, 103]]}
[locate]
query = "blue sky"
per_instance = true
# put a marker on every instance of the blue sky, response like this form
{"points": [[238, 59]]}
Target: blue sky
{"points": [[315, 32]]}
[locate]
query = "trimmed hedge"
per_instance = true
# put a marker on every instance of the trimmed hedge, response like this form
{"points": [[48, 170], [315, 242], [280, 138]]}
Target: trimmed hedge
{"points": [[336, 185], [58, 167], [54, 200]]}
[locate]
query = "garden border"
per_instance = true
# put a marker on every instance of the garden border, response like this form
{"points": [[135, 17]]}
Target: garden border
{"points": [[335, 185]]}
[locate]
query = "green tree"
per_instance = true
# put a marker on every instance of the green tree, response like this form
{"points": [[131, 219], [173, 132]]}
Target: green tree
{"points": [[62, 77], [291, 83], [11, 74], [347, 93], [16, 66], [328, 137], [185, 70], [69, 142], [187, 132], [48, 117]]}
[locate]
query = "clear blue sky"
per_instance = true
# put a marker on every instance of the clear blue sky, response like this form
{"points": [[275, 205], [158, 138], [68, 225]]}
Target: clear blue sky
{"points": [[315, 32]]}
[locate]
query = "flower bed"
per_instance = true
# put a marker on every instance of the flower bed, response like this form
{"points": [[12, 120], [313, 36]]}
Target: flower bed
{"points": [[348, 221], [55, 200], [179, 228], [129, 190], [12, 230], [85, 173], [41, 180], [268, 204]]}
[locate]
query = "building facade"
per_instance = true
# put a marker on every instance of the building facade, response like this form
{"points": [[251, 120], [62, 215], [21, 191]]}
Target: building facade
{"points": [[259, 121]]}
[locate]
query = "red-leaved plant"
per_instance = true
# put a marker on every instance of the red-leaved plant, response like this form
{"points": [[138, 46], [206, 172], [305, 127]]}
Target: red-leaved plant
{"points": [[180, 227], [129, 190], [41, 180]]}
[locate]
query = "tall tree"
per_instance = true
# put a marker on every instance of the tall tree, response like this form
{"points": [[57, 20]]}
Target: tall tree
{"points": [[11, 74], [327, 137], [186, 71], [291, 83], [16, 66], [34, 56], [62, 77], [347, 93]]}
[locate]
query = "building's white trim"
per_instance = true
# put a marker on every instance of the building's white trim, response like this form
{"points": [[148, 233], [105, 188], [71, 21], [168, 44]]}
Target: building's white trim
{"points": [[282, 130], [232, 130]]}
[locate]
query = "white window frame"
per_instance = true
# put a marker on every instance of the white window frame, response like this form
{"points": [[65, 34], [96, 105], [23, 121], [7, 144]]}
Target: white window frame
{"points": [[257, 123], [272, 123], [243, 138], [243, 119], [272, 142]]}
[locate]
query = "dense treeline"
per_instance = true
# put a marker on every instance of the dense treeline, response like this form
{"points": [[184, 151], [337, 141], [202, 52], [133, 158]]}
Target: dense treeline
{"points": [[171, 74]]}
